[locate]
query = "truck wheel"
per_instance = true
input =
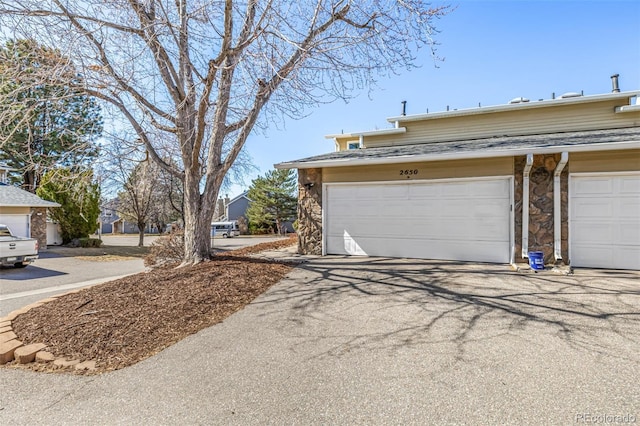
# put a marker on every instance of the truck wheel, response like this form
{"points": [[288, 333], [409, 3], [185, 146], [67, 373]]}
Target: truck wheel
{"points": [[20, 265], [224, 235]]}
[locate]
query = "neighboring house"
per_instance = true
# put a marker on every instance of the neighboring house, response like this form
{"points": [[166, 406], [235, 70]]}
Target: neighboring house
{"points": [[112, 223], [232, 209], [487, 184], [23, 212], [237, 207]]}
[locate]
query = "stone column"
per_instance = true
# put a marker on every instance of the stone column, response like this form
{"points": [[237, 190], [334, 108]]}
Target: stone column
{"points": [[310, 211], [39, 226], [541, 206]]}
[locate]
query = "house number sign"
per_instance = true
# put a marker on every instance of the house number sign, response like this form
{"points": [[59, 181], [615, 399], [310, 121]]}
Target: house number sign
{"points": [[408, 173]]}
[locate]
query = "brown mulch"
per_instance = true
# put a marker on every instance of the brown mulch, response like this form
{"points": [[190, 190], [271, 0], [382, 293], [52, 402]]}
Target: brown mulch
{"points": [[122, 322]]}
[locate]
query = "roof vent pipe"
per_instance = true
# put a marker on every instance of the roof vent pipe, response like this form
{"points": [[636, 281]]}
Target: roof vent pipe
{"points": [[404, 108], [614, 83]]}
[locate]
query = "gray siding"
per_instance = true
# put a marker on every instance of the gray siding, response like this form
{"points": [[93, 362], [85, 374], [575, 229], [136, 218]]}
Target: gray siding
{"points": [[237, 208]]}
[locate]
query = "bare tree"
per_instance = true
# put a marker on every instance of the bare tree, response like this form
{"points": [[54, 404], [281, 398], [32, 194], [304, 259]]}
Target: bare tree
{"points": [[208, 72], [136, 200]]}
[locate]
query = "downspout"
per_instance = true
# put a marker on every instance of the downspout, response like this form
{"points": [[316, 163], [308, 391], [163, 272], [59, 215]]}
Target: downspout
{"points": [[29, 223], [525, 206], [557, 198]]}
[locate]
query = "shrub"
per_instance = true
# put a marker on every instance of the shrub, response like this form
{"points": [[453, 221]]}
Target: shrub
{"points": [[166, 250], [89, 242]]}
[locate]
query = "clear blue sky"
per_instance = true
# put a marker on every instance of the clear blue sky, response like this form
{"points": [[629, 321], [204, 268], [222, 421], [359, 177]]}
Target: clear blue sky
{"points": [[493, 51]]}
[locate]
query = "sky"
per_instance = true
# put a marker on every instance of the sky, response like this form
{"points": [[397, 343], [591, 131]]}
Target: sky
{"points": [[493, 51]]}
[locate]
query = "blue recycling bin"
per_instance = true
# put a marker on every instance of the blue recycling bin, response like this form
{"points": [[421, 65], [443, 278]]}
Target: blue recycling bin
{"points": [[536, 260]]}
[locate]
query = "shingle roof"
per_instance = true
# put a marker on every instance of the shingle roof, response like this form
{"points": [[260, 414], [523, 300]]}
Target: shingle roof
{"points": [[11, 196], [487, 147]]}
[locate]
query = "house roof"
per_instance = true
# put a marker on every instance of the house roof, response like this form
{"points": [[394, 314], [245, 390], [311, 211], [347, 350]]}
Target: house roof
{"points": [[503, 146], [12, 196], [399, 121], [548, 103], [243, 195]]}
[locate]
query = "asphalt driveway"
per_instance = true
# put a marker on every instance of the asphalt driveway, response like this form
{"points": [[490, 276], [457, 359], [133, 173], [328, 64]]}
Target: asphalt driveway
{"points": [[379, 341]]}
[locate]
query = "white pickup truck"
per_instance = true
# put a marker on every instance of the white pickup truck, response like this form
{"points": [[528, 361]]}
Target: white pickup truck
{"points": [[16, 251]]}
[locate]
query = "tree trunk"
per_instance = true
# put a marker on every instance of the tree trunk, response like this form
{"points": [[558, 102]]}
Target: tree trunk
{"points": [[29, 181], [198, 212], [141, 227]]}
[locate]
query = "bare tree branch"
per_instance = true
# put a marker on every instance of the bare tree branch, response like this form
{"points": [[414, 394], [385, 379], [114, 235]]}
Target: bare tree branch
{"points": [[203, 74]]}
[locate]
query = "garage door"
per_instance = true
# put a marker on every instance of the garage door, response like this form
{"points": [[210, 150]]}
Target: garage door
{"points": [[605, 221], [453, 220], [18, 223]]}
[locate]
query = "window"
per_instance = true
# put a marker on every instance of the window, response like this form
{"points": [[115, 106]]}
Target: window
{"points": [[353, 145]]}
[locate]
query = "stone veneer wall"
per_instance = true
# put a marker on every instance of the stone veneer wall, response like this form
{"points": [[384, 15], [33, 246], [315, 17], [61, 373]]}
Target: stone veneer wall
{"points": [[39, 226], [310, 211], [541, 234]]}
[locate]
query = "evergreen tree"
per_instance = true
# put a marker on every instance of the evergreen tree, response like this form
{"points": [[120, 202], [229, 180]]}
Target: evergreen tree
{"points": [[43, 125], [79, 197], [273, 199]]}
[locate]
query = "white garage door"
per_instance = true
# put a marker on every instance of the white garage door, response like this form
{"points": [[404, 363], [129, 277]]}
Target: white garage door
{"points": [[18, 223], [453, 220], [605, 221]]}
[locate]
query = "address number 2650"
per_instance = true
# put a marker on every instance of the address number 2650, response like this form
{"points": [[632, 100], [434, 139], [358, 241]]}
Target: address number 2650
{"points": [[409, 173]]}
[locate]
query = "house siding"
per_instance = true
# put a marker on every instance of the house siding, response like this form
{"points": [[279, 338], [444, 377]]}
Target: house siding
{"points": [[237, 209], [605, 161], [14, 210], [426, 170], [561, 118]]}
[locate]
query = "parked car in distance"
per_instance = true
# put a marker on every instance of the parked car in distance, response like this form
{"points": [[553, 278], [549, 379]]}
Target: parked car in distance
{"points": [[226, 229], [16, 251]]}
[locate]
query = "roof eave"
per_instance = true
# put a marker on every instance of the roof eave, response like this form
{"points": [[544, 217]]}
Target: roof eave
{"points": [[30, 205], [394, 131], [347, 162]]}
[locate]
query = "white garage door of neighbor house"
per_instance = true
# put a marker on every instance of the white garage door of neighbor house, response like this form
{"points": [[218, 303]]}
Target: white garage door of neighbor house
{"points": [[604, 227], [18, 223], [460, 219]]}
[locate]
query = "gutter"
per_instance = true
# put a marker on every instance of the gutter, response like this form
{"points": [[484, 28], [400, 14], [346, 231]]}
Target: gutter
{"points": [[557, 197], [353, 135], [525, 206]]}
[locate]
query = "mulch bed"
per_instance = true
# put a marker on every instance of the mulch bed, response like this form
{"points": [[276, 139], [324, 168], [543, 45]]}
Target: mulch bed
{"points": [[122, 322]]}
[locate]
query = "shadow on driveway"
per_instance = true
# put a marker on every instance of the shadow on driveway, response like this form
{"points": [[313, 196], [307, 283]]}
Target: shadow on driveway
{"points": [[416, 303], [31, 272]]}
